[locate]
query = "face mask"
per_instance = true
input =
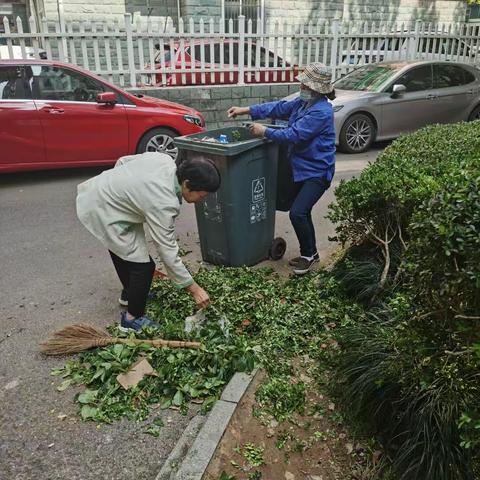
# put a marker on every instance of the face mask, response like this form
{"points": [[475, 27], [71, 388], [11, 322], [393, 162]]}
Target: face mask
{"points": [[305, 95]]}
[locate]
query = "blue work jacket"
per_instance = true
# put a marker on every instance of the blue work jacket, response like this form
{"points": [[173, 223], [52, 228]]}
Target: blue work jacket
{"points": [[310, 135]]}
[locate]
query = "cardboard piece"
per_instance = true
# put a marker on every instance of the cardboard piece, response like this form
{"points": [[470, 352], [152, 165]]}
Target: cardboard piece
{"points": [[140, 369]]}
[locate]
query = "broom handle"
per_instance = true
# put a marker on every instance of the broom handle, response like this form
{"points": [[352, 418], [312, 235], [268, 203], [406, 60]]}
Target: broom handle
{"points": [[158, 342]]}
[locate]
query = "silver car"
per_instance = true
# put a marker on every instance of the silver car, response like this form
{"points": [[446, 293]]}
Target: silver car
{"points": [[380, 101]]}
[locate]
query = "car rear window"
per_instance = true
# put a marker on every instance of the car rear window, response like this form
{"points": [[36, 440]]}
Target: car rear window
{"points": [[445, 76]]}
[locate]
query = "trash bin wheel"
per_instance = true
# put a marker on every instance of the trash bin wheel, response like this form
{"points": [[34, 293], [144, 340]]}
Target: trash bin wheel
{"points": [[277, 249]]}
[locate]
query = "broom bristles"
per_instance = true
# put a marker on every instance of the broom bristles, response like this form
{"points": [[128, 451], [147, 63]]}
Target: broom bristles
{"points": [[79, 337]]}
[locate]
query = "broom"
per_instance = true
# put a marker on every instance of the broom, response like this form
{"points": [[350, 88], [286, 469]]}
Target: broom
{"points": [[79, 337]]}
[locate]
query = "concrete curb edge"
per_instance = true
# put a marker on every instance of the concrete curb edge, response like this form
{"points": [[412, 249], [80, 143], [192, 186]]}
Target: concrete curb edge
{"points": [[192, 454]]}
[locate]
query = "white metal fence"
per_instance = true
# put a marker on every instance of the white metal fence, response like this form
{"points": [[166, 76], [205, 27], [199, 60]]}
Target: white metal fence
{"points": [[206, 52]]}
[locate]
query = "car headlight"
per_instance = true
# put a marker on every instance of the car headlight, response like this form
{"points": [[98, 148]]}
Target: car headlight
{"points": [[193, 119], [337, 108]]}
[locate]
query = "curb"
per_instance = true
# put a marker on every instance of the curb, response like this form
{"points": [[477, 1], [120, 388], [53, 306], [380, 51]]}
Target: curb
{"points": [[191, 455]]}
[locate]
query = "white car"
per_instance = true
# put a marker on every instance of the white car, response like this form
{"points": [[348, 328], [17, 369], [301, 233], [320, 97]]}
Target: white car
{"points": [[431, 46], [16, 50]]}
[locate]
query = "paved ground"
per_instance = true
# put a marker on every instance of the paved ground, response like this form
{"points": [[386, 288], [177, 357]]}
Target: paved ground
{"points": [[55, 273]]}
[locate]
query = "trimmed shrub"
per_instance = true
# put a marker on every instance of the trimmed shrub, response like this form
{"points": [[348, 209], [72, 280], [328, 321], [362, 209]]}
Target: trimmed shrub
{"points": [[409, 367], [377, 207]]}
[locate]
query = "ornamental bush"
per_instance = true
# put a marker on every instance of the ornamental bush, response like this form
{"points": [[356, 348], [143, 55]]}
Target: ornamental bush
{"points": [[376, 208], [409, 367]]}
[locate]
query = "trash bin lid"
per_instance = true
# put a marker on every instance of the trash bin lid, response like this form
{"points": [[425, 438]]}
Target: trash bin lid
{"points": [[239, 139]]}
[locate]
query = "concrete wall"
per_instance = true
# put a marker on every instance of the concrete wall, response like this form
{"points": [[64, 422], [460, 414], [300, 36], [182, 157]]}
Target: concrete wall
{"points": [[86, 9], [114, 9], [298, 10], [213, 102], [366, 10], [197, 9]]}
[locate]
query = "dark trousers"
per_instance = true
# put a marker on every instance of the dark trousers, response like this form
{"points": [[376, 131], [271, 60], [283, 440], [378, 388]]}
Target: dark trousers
{"points": [[136, 279], [309, 192]]}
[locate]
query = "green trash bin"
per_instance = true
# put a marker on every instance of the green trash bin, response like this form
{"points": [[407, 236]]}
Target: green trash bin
{"points": [[236, 224]]}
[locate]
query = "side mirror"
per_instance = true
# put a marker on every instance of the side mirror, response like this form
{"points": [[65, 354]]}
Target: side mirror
{"points": [[398, 90], [107, 98]]}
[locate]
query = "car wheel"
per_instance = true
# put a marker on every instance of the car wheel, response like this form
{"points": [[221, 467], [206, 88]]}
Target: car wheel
{"points": [[357, 134], [159, 140], [475, 115]]}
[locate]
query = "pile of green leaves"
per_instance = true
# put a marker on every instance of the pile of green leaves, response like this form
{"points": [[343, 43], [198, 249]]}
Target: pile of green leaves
{"points": [[268, 321], [409, 366]]}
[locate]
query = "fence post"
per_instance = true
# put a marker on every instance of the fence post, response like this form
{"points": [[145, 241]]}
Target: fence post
{"points": [[130, 52], [412, 54], [241, 49], [334, 49]]}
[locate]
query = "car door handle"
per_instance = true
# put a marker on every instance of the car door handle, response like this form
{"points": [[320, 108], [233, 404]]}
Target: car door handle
{"points": [[53, 110]]}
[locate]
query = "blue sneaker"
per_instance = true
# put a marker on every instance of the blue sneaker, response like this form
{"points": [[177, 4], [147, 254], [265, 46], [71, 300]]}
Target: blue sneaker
{"points": [[135, 324]]}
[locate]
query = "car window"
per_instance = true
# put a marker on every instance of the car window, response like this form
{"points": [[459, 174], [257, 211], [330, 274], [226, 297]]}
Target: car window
{"points": [[206, 52], [13, 85], [56, 83], [367, 78], [416, 79], [451, 76]]}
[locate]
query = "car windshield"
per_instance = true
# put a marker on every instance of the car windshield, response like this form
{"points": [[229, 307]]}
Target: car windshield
{"points": [[368, 78]]}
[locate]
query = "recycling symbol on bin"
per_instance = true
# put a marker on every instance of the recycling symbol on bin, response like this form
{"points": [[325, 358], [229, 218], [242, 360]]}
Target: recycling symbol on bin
{"points": [[258, 189]]}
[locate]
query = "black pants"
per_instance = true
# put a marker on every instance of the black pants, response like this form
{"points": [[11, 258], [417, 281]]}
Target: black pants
{"points": [[136, 279], [308, 194]]}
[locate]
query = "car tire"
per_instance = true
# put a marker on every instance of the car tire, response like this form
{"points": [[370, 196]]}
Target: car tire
{"points": [[475, 115], [357, 134], [159, 140]]}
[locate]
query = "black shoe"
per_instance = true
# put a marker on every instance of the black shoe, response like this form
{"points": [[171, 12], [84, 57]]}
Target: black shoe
{"points": [[123, 300], [303, 266], [294, 261]]}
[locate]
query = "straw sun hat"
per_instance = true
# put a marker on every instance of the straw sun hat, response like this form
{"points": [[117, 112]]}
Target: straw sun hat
{"points": [[318, 77]]}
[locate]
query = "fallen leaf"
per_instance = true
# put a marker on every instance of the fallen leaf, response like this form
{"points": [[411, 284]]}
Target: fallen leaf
{"points": [[349, 448]]}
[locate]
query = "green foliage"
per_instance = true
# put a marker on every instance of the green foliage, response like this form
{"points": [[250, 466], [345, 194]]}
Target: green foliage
{"points": [[360, 269], [267, 321], [445, 242], [406, 390], [281, 398], [253, 454], [225, 476], [409, 366], [376, 208]]}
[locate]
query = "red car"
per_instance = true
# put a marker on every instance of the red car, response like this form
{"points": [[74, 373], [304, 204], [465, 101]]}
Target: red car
{"points": [[56, 115], [212, 57]]}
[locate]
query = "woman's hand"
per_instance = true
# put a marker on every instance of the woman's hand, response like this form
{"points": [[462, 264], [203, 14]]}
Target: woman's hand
{"points": [[199, 295], [257, 129], [234, 111]]}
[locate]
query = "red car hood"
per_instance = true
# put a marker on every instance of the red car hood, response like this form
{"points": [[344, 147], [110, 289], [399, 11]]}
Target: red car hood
{"points": [[159, 102]]}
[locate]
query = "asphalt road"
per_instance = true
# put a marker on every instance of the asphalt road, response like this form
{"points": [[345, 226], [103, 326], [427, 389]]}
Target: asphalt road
{"points": [[54, 273]]}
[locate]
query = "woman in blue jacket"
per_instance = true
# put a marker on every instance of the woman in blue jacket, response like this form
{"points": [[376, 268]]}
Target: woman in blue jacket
{"points": [[310, 137]]}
